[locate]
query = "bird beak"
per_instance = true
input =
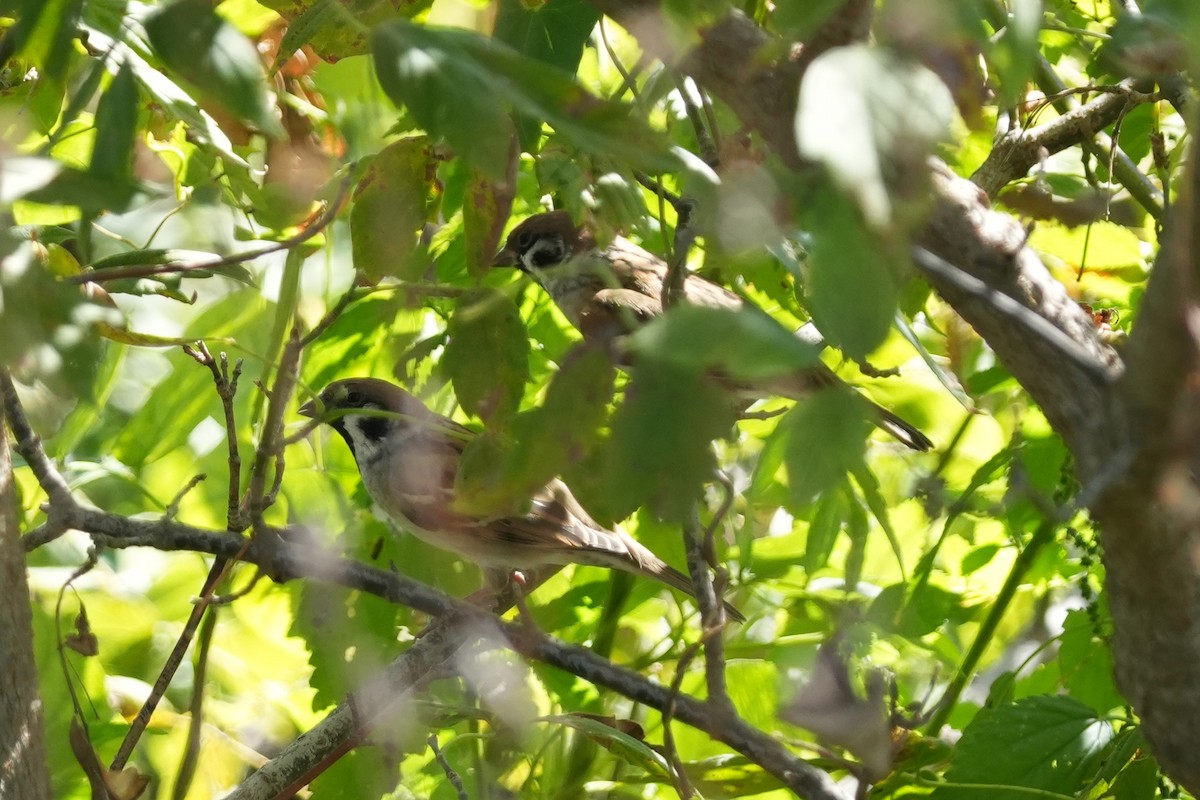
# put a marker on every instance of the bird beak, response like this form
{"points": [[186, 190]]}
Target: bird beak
{"points": [[309, 409], [505, 258]]}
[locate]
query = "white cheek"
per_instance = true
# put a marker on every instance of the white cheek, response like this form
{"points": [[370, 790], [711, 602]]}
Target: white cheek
{"points": [[366, 449]]}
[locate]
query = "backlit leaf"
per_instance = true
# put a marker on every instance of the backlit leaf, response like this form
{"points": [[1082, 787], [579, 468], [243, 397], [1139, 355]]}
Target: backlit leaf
{"points": [[487, 355], [389, 211], [197, 44]]}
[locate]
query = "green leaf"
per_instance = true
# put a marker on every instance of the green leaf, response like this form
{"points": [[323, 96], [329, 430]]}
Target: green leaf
{"points": [[1052, 744], [485, 211], [389, 211], [48, 328], [554, 32], [631, 749], [335, 622], [823, 531], [336, 30], [1014, 53], [851, 287], [116, 128], [91, 193], [556, 434], [487, 355], [827, 438], [178, 104], [872, 117], [660, 453], [1086, 664], [460, 86], [42, 34], [742, 344], [197, 44]]}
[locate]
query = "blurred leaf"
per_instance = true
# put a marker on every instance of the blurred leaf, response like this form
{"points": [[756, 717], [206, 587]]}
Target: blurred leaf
{"points": [[931, 610], [197, 44], [336, 622], [1101, 247], [858, 529], [48, 328], [477, 487], [1014, 53], [554, 32], [178, 104], [91, 193], [1051, 744], [487, 356], [730, 775], [827, 436], [116, 128], [661, 449], [871, 117], [337, 30], [823, 530], [850, 285], [389, 211], [1086, 664], [742, 344], [485, 211], [550, 438], [461, 86], [42, 34], [631, 749]]}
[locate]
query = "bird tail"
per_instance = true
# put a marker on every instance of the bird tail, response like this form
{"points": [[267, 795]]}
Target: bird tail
{"points": [[904, 432], [645, 563], [677, 580], [803, 383]]}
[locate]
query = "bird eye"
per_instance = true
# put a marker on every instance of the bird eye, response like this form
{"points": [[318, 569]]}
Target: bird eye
{"points": [[354, 398], [524, 240]]}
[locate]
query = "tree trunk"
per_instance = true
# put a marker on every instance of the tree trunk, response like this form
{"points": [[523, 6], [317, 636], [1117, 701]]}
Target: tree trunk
{"points": [[23, 771]]}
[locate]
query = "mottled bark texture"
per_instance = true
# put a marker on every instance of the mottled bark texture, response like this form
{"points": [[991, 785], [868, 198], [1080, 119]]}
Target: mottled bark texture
{"points": [[23, 770]]}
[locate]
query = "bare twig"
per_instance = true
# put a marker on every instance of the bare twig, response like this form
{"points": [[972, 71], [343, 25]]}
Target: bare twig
{"points": [[672, 291], [451, 775], [678, 775], [146, 270], [704, 139], [271, 444], [226, 384], [172, 508]]}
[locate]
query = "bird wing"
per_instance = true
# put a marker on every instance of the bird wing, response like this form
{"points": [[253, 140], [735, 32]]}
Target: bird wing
{"points": [[645, 273]]}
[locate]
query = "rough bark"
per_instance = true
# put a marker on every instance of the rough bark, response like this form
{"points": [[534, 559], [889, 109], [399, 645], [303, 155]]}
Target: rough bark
{"points": [[1150, 517], [23, 770]]}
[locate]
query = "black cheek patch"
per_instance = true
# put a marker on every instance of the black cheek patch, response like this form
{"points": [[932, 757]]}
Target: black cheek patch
{"points": [[373, 428]]}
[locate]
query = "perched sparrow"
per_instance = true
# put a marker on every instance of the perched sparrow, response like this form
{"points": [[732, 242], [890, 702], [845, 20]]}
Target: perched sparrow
{"points": [[408, 458], [608, 293]]}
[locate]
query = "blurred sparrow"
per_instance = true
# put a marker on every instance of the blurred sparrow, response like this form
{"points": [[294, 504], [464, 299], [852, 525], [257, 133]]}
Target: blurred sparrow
{"points": [[607, 293], [408, 457]]}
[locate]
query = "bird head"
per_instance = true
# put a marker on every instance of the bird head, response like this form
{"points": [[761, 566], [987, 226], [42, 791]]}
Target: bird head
{"points": [[365, 411], [542, 241]]}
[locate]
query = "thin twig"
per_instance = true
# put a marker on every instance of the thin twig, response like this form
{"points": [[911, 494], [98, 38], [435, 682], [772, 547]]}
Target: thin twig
{"points": [[678, 776], [704, 140], [673, 291], [146, 270], [173, 507], [662, 192], [270, 445], [226, 384], [451, 775]]}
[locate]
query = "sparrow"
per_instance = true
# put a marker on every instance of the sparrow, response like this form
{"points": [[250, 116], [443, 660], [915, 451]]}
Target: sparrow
{"points": [[408, 458], [608, 293]]}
